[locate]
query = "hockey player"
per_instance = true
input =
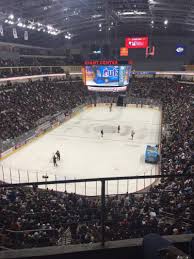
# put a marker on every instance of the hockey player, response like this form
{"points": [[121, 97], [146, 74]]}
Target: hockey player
{"points": [[54, 160], [110, 107], [58, 155], [102, 133], [119, 129], [132, 134]]}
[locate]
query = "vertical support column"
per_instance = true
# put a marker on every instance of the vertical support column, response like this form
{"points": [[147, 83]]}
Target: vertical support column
{"points": [[56, 182], [10, 175], [3, 174], [19, 175], [65, 185], [102, 212], [136, 184], [75, 186], [127, 185], [117, 186], [96, 188], [144, 180], [28, 176]]}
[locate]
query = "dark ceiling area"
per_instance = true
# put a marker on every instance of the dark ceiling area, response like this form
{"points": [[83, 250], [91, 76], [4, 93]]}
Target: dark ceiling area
{"points": [[79, 20]]}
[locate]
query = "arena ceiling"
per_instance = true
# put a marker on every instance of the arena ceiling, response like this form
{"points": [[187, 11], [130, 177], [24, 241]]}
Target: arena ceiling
{"points": [[79, 19]]}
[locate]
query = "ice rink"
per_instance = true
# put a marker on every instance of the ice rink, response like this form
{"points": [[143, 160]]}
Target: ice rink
{"points": [[85, 154]]}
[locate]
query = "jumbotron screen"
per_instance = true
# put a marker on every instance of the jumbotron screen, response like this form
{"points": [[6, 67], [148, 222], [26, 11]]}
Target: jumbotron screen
{"points": [[107, 78]]}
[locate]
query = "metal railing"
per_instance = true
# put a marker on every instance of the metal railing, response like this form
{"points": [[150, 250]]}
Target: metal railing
{"points": [[19, 176], [102, 218]]}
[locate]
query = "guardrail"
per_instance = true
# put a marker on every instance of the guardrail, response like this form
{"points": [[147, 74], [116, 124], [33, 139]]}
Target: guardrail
{"points": [[103, 219]]}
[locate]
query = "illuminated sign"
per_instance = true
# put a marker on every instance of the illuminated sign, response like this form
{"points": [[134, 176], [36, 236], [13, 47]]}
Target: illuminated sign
{"points": [[124, 52], [101, 62], [180, 49], [136, 43], [107, 62], [97, 51]]}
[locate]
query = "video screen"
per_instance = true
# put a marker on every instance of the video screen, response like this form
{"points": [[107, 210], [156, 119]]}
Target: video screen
{"points": [[107, 77]]}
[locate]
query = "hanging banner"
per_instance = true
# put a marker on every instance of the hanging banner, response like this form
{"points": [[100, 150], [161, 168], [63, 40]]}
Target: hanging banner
{"points": [[25, 35], [1, 31], [15, 35]]}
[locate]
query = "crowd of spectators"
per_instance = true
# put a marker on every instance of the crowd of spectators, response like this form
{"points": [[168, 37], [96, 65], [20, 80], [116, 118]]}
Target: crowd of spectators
{"points": [[29, 71], [48, 217], [35, 65], [32, 61], [7, 62], [42, 61], [23, 104], [38, 61]]}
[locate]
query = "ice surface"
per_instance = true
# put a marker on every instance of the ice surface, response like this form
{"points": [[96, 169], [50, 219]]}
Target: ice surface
{"points": [[85, 154]]}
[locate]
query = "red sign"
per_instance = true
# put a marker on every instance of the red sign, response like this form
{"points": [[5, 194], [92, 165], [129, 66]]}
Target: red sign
{"points": [[124, 52], [136, 43], [107, 62], [101, 62]]}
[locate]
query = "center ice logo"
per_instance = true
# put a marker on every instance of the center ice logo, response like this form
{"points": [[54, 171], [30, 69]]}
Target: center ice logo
{"points": [[108, 73]]}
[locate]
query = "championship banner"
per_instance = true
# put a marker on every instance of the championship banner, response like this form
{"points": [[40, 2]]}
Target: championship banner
{"points": [[1, 31], [25, 35], [136, 43], [15, 35]]}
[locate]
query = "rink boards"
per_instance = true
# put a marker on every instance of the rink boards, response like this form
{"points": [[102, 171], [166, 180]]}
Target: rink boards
{"points": [[82, 138]]}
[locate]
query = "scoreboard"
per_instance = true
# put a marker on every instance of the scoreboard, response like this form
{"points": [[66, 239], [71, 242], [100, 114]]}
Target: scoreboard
{"points": [[106, 75]]}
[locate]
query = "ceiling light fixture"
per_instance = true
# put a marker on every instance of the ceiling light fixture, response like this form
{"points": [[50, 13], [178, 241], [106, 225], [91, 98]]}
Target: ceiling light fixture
{"points": [[31, 25], [11, 16], [131, 13]]}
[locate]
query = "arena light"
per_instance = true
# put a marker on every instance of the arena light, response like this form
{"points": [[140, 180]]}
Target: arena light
{"points": [[24, 23], [20, 24], [9, 22], [11, 16], [68, 36], [166, 22], [131, 13], [96, 16]]}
